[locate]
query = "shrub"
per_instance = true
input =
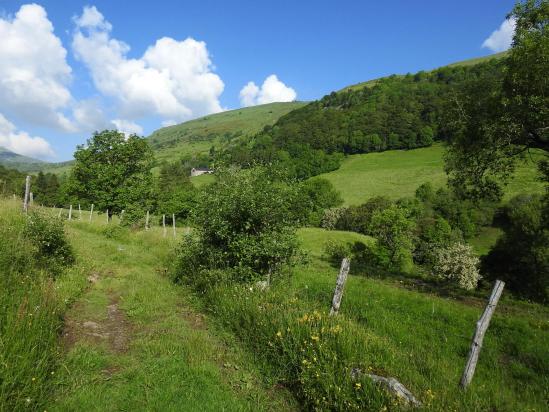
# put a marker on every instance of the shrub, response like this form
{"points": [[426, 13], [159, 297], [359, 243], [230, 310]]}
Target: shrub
{"points": [[336, 251], [358, 218], [244, 224], [457, 264], [316, 195], [331, 217], [48, 235]]}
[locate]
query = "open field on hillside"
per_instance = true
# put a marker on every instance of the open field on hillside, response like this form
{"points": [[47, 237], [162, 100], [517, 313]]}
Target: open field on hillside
{"points": [[398, 173]]}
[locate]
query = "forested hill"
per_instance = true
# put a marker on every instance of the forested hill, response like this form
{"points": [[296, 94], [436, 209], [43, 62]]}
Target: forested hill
{"points": [[398, 112]]}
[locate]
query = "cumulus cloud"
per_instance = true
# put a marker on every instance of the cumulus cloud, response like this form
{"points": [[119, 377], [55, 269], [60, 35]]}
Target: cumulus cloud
{"points": [[127, 127], [20, 142], [34, 73], [501, 39], [272, 90], [173, 79]]}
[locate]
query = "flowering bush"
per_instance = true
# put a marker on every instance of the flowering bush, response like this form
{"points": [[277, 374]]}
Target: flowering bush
{"points": [[458, 264], [331, 217]]}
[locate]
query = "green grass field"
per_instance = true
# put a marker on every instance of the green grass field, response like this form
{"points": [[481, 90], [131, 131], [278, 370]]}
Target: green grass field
{"points": [[423, 340], [398, 173], [133, 340]]}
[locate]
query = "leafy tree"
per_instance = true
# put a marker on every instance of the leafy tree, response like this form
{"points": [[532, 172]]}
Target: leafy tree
{"points": [[175, 192], [114, 173], [46, 189], [521, 256], [393, 230], [502, 114]]}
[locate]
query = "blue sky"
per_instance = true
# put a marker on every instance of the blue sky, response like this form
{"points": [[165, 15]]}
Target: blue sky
{"points": [[77, 66]]}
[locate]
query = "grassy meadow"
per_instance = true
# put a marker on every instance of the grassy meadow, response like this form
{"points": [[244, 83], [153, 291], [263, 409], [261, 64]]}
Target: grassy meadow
{"points": [[387, 327], [398, 173], [115, 333]]}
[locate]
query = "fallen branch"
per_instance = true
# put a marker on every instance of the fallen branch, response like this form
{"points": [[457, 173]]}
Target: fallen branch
{"points": [[393, 386]]}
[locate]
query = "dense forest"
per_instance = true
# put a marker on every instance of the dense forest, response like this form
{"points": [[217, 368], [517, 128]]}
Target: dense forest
{"points": [[397, 112]]}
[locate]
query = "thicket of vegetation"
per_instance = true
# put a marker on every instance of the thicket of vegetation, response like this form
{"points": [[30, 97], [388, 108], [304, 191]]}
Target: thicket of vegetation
{"points": [[33, 253]]}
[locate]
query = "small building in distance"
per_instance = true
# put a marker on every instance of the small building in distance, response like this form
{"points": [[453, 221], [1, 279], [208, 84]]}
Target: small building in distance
{"points": [[197, 171]]}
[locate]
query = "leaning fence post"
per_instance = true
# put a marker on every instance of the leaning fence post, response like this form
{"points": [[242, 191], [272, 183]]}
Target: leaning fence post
{"points": [[482, 326], [79, 212], [340, 284], [60, 211], [27, 192], [91, 212], [164, 225], [70, 212], [147, 221], [173, 223]]}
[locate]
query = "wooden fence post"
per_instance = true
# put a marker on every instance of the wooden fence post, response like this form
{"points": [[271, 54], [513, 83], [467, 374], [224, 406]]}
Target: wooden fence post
{"points": [[173, 223], [122, 215], [70, 212], [164, 225], [91, 212], [147, 221], [31, 198], [60, 211], [482, 326], [340, 284], [27, 192], [108, 221]]}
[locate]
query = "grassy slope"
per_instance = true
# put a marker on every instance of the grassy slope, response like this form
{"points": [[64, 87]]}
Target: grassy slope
{"points": [[398, 173], [155, 352], [197, 136], [423, 340]]}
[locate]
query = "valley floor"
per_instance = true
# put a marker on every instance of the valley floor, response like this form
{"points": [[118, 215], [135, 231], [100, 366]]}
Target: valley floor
{"points": [[133, 341]]}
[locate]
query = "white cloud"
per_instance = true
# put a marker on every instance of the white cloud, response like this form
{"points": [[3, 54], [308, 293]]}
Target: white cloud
{"points": [[34, 73], [173, 79], [20, 142], [501, 39], [272, 90], [127, 127]]}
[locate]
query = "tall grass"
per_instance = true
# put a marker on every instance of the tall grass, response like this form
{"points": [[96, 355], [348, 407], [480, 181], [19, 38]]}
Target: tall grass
{"points": [[420, 339], [30, 312]]}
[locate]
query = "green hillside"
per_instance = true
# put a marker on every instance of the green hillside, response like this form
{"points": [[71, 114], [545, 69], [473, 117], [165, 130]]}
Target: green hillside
{"points": [[197, 136], [397, 173], [22, 163]]}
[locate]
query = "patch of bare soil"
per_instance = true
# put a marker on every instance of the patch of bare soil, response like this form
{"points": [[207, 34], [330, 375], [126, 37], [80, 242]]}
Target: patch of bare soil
{"points": [[114, 330]]}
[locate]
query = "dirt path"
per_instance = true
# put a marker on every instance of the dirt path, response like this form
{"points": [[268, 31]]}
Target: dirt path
{"points": [[133, 341]]}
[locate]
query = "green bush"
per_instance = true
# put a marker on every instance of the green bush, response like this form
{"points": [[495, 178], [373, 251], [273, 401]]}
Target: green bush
{"points": [[47, 234], [244, 224]]}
